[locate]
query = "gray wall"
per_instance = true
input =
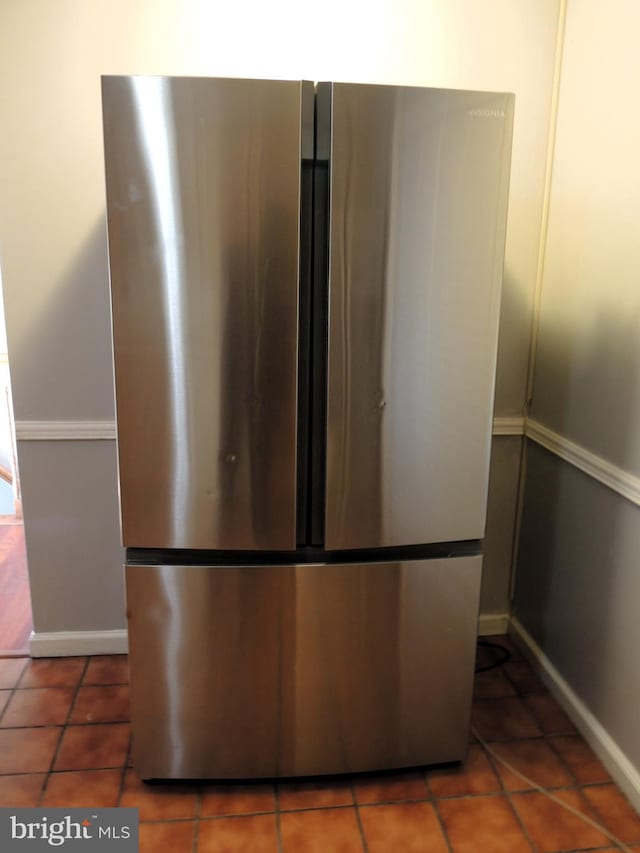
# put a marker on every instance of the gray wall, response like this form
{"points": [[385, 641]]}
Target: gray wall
{"points": [[52, 246], [501, 519], [578, 572], [578, 588], [73, 531]]}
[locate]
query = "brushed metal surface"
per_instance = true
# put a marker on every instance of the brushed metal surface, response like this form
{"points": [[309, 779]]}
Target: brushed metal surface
{"points": [[270, 671], [419, 181], [203, 183]]}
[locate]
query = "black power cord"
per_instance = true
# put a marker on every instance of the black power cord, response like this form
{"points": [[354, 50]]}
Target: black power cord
{"points": [[500, 654]]}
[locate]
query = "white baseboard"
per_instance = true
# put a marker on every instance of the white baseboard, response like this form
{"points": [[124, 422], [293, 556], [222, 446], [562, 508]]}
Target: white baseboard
{"points": [[624, 773], [67, 643], [493, 623]]}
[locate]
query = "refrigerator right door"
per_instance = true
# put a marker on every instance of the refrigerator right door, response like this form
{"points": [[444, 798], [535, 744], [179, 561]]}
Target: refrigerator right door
{"points": [[418, 200]]}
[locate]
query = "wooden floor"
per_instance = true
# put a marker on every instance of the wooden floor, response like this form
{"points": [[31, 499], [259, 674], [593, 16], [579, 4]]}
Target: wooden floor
{"points": [[15, 601]]}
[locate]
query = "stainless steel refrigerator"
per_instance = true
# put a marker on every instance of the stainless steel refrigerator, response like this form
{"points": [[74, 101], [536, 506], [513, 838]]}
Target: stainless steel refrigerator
{"points": [[305, 292]]}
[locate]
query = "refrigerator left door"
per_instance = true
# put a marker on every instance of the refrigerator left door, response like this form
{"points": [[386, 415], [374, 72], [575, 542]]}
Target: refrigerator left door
{"points": [[203, 209]]}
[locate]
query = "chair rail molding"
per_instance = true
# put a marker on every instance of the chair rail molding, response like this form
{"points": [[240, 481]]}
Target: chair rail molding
{"points": [[106, 430], [510, 425], [65, 430], [610, 475]]}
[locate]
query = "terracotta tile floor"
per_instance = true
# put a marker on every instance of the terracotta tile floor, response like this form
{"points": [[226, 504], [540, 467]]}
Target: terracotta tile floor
{"points": [[64, 741]]}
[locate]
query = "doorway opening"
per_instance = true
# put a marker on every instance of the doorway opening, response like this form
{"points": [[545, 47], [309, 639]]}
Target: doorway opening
{"points": [[16, 621]]}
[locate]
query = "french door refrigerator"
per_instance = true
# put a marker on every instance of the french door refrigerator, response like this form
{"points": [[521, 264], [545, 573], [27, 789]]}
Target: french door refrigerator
{"points": [[305, 290]]}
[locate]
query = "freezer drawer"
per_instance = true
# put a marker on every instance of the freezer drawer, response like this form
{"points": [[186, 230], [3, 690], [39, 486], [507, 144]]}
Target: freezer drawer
{"points": [[267, 671]]}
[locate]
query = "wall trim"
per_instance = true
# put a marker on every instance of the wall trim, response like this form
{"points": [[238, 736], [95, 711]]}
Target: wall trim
{"points": [[101, 430], [617, 479], [624, 773], [67, 643], [508, 426], [65, 430], [492, 623]]}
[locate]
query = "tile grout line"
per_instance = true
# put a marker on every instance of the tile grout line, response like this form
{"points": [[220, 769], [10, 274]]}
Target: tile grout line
{"points": [[209, 818], [434, 802], [504, 791], [63, 729], [520, 691], [548, 737], [196, 821], [72, 704], [443, 828], [163, 821], [12, 691], [341, 807], [511, 804], [196, 833], [100, 769], [356, 806], [87, 725], [562, 760], [276, 799], [123, 774], [578, 785]]}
